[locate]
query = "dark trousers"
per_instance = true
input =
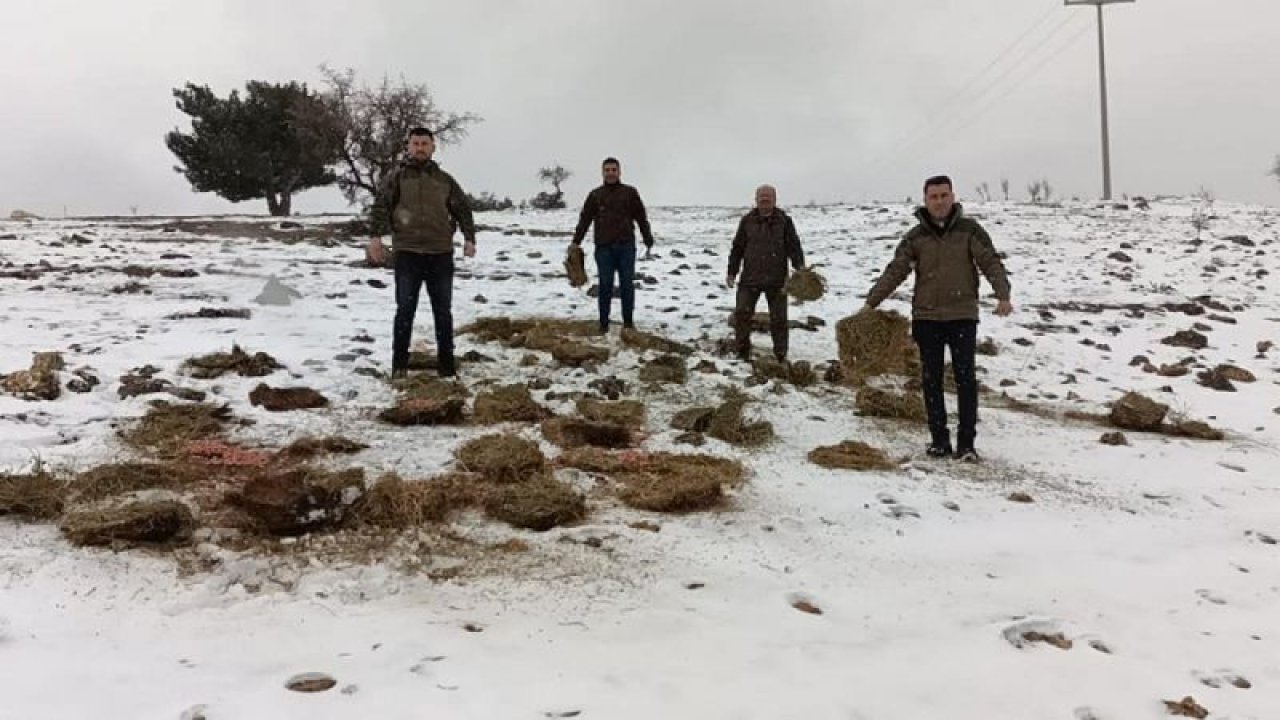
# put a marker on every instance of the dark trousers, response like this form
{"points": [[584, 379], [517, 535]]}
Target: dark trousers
{"points": [[619, 259], [413, 270], [933, 338], [745, 311]]}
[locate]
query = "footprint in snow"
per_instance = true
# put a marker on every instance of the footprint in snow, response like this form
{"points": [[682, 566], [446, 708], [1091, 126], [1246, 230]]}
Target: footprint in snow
{"points": [[901, 511], [1223, 678], [1211, 597]]}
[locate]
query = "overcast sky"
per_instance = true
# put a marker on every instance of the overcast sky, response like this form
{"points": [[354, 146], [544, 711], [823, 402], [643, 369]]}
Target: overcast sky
{"points": [[827, 99]]}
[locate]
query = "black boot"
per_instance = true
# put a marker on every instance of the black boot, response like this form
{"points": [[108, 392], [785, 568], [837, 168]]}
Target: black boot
{"points": [[447, 366]]}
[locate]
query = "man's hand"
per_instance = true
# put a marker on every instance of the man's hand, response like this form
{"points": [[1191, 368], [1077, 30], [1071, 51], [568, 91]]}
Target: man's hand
{"points": [[1004, 308], [728, 279], [469, 248], [376, 253]]}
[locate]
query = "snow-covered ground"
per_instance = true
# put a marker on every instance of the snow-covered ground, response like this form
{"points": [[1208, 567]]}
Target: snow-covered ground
{"points": [[1157, 560]]}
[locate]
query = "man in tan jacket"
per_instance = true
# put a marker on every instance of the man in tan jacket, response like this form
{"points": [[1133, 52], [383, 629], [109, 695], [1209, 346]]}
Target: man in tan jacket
{"points": [[946, 250], [420, 204]]}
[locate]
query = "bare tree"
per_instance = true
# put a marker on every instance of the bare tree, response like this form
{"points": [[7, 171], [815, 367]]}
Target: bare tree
{"points": [[1035, 191], [556, 174], [374, 123], [984, 192], [1047, 189], [1004, 188], [1276, 170]]}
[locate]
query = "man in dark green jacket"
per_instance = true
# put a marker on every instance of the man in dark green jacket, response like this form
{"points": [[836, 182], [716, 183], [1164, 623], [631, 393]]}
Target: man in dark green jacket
{"points": [[420, 204], [765, 241], [615, 209], [946, 250]]}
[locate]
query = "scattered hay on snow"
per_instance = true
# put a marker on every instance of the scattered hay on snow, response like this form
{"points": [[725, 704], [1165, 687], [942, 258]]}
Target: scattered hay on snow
{"points": [[576, 354], [309, 447], [575, 266], [671, 483], [168, 427], [851, 455], [299, 500], [874, 402], [287, 398], [876, 342], [215, 365], [38, 495], [502, 458], [540, 505], [640, 340], [629, 413], [806, 285], [727, 424], [694, 419], [572, 432], [508, 403], [133, 522], [395, 503], [105, 481], [666, 369]]}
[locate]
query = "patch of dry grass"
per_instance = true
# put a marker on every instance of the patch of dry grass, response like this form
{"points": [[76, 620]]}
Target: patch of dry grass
{"points": [[136, 522], [39, 495], [109, 480], [239, 362], [539, 505], [876, 342], [502, 458], [508, 403], [168, 427], [874, 402], [628, 413], [572, 432], [851, 455], [395, 503], [727, 424], [640, 340]]}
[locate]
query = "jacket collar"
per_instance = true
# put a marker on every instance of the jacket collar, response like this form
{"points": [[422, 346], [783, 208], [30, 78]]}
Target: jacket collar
{"points": [[922, 214]]}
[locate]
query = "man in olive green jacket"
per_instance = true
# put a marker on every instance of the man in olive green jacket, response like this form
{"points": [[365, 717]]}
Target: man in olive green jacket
{"points": [[766, 240], [420, 204], [946, 250]]}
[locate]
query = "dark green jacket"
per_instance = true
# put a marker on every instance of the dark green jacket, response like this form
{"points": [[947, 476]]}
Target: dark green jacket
{"points": [[420, 204], [946, 261], [615, 208]]}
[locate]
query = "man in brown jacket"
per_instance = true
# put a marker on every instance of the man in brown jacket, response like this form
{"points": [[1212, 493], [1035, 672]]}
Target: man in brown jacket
{"points": [[765, 241], [615, 209], [420, 204], [946, 250]]}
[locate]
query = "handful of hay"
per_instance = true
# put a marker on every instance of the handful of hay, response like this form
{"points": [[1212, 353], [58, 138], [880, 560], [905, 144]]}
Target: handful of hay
{"points": [[876, 342], [575, 265], [806, 285]]}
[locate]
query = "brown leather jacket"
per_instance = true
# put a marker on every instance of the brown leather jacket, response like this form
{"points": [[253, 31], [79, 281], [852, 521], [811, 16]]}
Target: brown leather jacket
{"points": [[946, 261]]}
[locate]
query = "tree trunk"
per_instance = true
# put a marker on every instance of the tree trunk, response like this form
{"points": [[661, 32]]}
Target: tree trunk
{"points": [[279, 204]]}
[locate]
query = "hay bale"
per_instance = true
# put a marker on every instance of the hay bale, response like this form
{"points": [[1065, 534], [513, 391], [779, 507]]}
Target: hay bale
{"points": [[596, 460], [215, 365], [694, 419], [629, 413], [112, 479], [168, 427], [425, 411], [874, 402], [1138, 412], [539, 505], [39, 495], [727, 424], [640, 340], [576, 354], [876, 342], [575, 266], [309, 447], [39, 382], [666, 482], [139, 521], [297, 501], [395, 503], [502, 458], [285, 399], [572, 432], [851, 455], [665, 369], [508, 403], [806, 285], [1197, 429]]}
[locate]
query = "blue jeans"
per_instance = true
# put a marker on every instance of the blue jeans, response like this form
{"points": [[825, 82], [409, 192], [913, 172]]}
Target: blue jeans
{"points": [[620, 259]]}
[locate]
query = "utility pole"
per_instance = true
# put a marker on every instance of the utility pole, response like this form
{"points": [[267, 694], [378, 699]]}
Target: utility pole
{"points": [[1102, 81]]}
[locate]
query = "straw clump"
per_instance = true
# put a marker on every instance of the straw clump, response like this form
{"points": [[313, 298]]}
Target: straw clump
{"points": [[539, 505], [239, 362], [573, 432], [806, 285], [508, 403], [129, 523], [874, 402], [876, 342], [502, 458], [851, 455], [39, 495], [628, 413], [168, 427]]}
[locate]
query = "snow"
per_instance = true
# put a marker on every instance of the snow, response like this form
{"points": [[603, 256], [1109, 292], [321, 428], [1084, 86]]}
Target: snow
{"points": [[1155, 552]]}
